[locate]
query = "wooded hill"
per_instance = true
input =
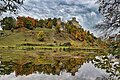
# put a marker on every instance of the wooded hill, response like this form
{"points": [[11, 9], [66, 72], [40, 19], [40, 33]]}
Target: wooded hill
{"points": [[46, 31]]}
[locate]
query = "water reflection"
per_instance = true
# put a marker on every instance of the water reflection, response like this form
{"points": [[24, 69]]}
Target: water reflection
{"points": [[82, 73], [70, 66], [98, 68]]}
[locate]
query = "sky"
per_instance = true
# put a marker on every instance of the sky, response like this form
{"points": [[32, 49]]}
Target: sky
{"points": [[86, 11]]}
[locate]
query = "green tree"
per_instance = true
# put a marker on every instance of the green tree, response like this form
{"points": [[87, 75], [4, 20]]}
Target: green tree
{"points": [[70, 28], [28, 24], [41, 23], [8, 23]]}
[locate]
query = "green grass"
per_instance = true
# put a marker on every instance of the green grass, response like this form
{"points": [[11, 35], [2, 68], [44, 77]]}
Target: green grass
{"points": [[11, 39], [41, 56], [17, 38]]}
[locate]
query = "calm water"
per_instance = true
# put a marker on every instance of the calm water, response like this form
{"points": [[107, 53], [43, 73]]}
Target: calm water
{"points": [[75, 68]]}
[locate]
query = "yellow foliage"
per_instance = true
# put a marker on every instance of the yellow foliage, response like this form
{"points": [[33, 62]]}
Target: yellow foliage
{"points": [[72, 43], [40, 36]]}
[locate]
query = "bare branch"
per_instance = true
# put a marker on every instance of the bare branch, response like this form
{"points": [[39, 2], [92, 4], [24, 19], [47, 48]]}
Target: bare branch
{"points": [[10, 5], [110, 9]]}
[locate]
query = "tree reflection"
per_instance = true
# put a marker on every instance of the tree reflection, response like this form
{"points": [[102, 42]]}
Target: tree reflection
{"points": [[70, 65], [63, 64]]}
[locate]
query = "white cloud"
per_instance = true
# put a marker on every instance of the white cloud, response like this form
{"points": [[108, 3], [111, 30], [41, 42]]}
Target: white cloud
{"points": [[93, 14]]}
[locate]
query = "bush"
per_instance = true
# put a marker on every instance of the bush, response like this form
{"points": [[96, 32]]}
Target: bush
{"points": [[41, 36]]}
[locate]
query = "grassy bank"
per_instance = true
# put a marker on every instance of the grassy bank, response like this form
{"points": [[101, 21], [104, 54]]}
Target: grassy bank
{"points": [[51, 39]]}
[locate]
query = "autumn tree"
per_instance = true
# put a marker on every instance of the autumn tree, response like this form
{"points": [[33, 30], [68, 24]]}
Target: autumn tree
{"points": [[30, 23], [20, 22], [26, 22]]}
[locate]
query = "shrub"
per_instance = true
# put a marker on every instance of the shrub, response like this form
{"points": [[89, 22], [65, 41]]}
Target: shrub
{"points": [[41, 36]]}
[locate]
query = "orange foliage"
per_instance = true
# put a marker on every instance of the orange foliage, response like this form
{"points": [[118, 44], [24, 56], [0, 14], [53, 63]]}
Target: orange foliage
{"points": [[21, 21]]}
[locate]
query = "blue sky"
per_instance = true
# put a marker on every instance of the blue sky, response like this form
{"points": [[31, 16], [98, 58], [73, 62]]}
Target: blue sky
{"points": [[86, 11]]}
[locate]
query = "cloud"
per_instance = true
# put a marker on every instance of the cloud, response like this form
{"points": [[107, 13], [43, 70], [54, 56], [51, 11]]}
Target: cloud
{"points": [[85, 10]]}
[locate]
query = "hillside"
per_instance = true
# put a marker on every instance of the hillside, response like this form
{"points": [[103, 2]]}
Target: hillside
{"points": [[27, 31], [30, 37]]}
